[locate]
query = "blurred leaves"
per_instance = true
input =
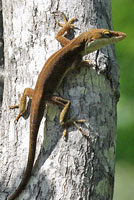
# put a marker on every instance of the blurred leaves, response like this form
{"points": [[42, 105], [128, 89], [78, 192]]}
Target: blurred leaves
{"points": [[124, 182], [123, 20]]}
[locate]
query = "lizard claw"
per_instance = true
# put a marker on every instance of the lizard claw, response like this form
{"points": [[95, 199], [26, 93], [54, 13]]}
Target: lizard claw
{"points": [[73, 122], [68, 24]]}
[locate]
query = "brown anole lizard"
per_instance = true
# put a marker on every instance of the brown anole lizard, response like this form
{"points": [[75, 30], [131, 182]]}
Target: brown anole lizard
{"points": [[50, 78]]}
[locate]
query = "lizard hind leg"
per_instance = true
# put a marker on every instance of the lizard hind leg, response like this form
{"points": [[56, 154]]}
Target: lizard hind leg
{"points": [[28, 92], [63, 122]]}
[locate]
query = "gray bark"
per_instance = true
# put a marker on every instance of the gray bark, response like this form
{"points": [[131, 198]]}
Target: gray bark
{"points": [[1, 56], [78, 168]]}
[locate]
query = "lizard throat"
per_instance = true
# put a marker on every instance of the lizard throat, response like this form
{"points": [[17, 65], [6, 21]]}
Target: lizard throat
{"points": [[99, 43]]}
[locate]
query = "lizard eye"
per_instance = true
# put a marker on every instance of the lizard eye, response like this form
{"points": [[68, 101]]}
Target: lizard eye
{"points": [[106, 33]]}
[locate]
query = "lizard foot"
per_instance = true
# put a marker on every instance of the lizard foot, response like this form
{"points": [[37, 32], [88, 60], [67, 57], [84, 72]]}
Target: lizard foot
{"points": [[21, 106], [73, 122], [68, 24], [18, 116]]}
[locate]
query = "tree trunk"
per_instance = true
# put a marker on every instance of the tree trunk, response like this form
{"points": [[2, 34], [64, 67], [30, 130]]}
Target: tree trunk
{"points": [[78, 168], [1, 56]]}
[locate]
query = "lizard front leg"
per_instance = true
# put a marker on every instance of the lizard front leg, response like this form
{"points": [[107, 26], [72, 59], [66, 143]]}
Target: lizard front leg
{"points": [[63, 122], [28, 92], [67, 26]]}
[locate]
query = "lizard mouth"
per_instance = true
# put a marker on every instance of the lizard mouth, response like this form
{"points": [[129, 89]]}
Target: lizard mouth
{"points": [[98, 43]]}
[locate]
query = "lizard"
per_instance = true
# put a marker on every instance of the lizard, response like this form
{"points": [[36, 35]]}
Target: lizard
{"points": [[50, 78]]}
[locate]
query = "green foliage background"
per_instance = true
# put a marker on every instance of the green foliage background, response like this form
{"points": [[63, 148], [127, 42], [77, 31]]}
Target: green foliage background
{"points": [[123, 20]]}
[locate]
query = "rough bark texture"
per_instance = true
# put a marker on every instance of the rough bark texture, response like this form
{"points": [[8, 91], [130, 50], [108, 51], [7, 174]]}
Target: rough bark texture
{"points": [[78, 168], [1, 56]]}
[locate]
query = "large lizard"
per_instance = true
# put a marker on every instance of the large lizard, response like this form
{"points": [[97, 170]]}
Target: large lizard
{"points": [[50, 78]]}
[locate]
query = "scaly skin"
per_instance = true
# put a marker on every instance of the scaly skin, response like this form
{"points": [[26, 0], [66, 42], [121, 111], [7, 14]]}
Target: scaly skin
{"points": [[51, 77]]}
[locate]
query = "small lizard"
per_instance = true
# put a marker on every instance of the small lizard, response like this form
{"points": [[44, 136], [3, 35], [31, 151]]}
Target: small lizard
{"points": [[50, 78]]}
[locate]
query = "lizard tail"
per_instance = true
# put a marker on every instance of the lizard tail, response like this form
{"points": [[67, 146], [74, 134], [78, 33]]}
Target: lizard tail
{"points": [[30, 162]]}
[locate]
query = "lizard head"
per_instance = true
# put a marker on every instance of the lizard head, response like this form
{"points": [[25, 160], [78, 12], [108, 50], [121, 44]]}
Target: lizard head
{"points": [[98, 38]]}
